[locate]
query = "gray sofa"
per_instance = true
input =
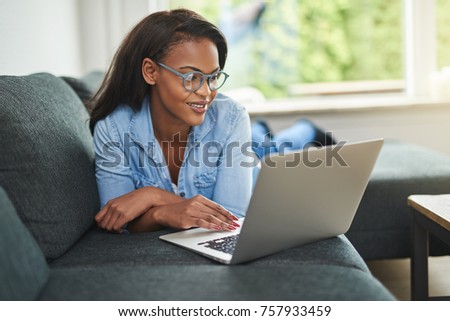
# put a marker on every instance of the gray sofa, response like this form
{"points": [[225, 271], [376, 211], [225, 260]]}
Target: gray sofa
{"points": [[50, 248], [382, 225]]}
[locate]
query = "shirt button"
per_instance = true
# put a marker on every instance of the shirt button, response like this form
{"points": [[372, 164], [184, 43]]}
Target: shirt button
{"points": [[182, 194]]}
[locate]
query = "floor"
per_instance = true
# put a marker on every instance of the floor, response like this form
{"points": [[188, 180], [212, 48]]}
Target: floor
{"points": [[395, 275]]}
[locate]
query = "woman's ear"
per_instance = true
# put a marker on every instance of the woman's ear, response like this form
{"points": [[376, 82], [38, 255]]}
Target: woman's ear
{"points": [[149, 71]]}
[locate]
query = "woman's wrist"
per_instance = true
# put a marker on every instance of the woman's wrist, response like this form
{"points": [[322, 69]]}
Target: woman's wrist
{"points": [[155, 214], [146, 222], [159, 197], [151, 196], [153, 217]]}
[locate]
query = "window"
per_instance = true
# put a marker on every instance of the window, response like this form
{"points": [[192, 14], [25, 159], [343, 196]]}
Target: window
{"points": [[443, 33], [311, 47]]}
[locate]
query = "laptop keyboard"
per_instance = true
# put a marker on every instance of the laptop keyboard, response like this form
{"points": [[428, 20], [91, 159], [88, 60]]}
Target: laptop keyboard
{"points": [[224, 244]]}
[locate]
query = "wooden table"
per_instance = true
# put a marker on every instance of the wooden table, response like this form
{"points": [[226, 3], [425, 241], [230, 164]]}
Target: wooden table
{"points": [[430, 214]]}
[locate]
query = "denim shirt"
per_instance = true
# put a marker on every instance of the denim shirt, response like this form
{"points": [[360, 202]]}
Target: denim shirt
{"points": [[218, 160]]}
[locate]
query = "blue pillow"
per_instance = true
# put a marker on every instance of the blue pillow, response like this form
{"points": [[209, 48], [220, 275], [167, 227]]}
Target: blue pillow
{"points": [[47, 159], [23, 269]]}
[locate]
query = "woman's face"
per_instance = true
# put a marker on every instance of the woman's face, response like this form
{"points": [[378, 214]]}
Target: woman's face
{"points": [[168, 96]]}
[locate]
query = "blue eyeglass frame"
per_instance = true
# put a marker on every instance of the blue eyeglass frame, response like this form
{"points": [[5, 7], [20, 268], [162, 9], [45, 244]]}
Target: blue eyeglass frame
{"points": [[204, 76]]}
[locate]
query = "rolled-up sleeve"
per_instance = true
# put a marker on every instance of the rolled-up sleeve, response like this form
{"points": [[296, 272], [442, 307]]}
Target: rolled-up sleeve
{"points": [[113, 177]]}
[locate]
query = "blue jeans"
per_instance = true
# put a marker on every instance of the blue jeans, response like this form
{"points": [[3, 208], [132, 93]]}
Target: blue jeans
{"points": [[300, 135]]}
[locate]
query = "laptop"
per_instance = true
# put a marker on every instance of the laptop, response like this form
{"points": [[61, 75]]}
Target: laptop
{"points": [[299, 197]]}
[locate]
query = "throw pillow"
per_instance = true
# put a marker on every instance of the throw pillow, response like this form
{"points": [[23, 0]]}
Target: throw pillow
{"points": [[23, 270], [47, 159]]}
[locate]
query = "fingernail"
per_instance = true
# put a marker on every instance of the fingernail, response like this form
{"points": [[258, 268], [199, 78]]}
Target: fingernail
{"points": [[217, 228]]}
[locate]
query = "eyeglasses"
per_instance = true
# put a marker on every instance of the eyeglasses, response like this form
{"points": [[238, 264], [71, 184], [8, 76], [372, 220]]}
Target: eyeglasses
{"points": [[195, 79]]}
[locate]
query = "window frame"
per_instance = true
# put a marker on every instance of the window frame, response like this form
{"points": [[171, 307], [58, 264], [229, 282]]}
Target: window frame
{"points": [[420, 46]]}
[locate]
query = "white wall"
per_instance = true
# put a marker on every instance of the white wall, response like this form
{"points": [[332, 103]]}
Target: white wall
{"points": [[64, 37], [103, 25], [38, 36]]}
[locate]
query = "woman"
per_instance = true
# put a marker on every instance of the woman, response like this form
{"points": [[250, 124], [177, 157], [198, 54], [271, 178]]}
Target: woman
{"points": [[170, 151]]}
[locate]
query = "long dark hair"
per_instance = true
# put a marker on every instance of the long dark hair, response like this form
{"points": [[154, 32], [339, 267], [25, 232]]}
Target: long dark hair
{"points": [[152, 37]]}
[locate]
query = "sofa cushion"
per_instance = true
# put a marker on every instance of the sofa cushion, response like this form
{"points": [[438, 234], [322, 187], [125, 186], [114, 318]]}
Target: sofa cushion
{"points": [[142, 267], [47, 159], [381, 228], [100, 248], [318, 282], [23, 271]]}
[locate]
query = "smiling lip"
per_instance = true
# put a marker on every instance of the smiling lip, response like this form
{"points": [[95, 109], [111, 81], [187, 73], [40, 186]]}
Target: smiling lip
{"points": [[199, 107]]}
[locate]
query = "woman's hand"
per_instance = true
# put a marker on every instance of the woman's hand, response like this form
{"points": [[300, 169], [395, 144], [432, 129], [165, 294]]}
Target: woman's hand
{"points": [[197, 211], [123, 209]]}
